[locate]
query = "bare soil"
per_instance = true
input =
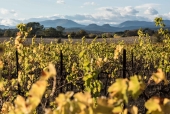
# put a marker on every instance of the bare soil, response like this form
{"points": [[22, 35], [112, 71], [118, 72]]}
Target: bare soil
{"points": [[127, 40]]}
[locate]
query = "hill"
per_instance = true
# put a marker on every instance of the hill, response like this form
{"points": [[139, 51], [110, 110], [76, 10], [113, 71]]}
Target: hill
{"points": [[73, 26], [60, 22]]}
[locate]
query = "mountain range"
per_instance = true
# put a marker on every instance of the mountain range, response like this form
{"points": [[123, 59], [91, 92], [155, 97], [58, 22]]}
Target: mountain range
{"points": [[73, 26]]}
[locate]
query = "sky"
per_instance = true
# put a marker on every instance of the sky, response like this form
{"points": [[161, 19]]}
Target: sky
{"points": [[83, 12]]}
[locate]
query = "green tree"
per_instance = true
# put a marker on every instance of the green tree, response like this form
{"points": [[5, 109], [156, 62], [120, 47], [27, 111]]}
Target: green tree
{"points": [[119, 33], [8, 33], [60, 30], [149, 31], [36, 27], [81, 33], [72, 34], [51, 32], [1, 32], [131, 33], [92, 35]]}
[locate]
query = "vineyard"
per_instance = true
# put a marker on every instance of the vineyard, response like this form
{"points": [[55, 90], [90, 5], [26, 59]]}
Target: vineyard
{"points": [[85, 78]]}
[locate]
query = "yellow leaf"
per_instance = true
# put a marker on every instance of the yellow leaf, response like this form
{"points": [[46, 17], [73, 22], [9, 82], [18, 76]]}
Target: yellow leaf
{"points": [[35, 94], [166, 106], [38, 88], [134, 110], [20, 103], [84, 98], [159, 76], [153, 105], [119, 89], [52, 70], [135, 86], [103, 106], [1, 65], [117, 109]]}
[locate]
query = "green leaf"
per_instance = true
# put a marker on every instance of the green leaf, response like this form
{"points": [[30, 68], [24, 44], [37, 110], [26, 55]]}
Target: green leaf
{"points": [[135, 87], [81, 53]]}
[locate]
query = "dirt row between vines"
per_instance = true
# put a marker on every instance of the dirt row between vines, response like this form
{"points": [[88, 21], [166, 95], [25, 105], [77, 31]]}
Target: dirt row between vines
{"points": [[48, 40]]}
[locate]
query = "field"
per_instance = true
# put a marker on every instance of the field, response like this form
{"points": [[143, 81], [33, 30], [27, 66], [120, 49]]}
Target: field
{"points": [[127, 40], [133, 77]]}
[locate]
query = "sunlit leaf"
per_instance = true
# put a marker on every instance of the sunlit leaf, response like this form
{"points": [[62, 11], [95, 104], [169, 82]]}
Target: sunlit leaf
{"points": [[135, 87], [159, 76], [119, 89], [134, 110], [153, 104]]}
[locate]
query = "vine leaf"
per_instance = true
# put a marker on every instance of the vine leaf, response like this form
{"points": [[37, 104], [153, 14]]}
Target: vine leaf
{"points": [[153, 106], [81, 53], [159, 76], [134, 110], [62, 99], [119, 89], [84, 98], [135, 86], [103, 106]]}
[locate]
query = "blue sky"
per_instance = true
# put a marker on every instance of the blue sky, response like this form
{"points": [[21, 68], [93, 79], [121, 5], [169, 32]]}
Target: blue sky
{"points": [[84, 12]]}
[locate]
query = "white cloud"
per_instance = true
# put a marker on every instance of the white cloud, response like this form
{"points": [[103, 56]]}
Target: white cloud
{"points": [[81, 6], [60, 2], [90, 3], [8, 22], [151, 11], [144, 6], [128, 10], [79, 17], [85, 22], [102, 15], [117, 14], [165, 16], [15, 14], [6, 12]]}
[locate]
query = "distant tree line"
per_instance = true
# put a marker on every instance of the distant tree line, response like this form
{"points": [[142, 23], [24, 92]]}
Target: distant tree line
{"points": [[37, 30], [59, 32]]}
